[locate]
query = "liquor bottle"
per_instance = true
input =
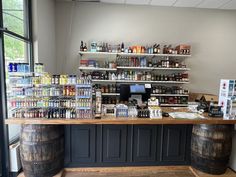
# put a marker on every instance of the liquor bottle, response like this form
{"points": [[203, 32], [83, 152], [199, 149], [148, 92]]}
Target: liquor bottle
{"points": [[167, 62], [85, 48], [169, 48], [155, 48], [82, 46], [164, 49], [122, 47], [103, 47], [106, 48], [119, 49], [176, 63], [130, 50], [158, 49]]}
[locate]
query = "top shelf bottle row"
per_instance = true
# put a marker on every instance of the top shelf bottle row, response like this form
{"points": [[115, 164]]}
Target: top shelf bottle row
{"points": [[103, 48], [133, 54]]}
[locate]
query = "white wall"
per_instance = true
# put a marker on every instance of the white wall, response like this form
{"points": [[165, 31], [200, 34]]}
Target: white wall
{"points": [[44, 33], [210, 32]]}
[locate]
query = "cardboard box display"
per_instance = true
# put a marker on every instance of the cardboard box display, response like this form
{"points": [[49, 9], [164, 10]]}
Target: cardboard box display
{"points": [[227, 88], [206, 97], [228, 107]]}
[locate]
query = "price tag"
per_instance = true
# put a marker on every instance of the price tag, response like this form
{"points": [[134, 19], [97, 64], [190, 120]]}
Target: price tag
{"points": [[148, 86]]}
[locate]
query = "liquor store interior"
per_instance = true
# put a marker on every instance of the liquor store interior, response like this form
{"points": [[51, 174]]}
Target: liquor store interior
{"points": [[117, 88]]}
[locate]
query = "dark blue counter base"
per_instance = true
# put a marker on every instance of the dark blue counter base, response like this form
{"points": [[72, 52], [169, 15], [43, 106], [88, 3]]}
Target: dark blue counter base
{"points": [[127, 145]]}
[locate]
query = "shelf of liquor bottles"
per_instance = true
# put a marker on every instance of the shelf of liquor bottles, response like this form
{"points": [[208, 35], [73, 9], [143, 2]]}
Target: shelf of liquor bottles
{"points": [[139, 81], [132, 68], [138, 65], [134, 54], [167, 95]]}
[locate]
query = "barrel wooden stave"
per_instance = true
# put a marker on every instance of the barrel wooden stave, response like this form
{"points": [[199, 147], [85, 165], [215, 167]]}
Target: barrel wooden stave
{"points": [[42, 150], [211, 148]]}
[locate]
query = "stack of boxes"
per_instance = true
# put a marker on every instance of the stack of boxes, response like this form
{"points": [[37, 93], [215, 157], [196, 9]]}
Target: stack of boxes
{"points": [[227, 98]]}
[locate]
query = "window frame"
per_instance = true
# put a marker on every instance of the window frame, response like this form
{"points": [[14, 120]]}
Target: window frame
{"points": [[4, 161]]}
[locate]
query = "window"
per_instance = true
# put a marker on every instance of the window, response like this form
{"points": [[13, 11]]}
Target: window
{"points": [[15, 46], [14, 16]]}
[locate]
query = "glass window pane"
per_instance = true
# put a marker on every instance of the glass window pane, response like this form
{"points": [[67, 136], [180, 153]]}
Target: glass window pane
{"points": [[15, 52], [14, 16]]}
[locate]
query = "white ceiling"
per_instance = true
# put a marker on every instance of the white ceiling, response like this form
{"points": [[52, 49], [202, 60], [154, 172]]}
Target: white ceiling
{"points": [[212, 4]]}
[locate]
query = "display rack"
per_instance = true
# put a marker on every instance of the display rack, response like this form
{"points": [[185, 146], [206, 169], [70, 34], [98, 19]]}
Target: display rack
{"points": [[84, 101], [114, 56]]}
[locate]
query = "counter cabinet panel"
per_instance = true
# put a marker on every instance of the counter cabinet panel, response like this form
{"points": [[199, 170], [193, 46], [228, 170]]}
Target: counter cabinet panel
{"points": [[114, 140], [174, 142], [119, 145], [145, 141]]}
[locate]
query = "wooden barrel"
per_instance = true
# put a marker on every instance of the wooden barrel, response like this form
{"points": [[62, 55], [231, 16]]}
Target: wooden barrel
{"points": [[211, 148], [42, 150]]}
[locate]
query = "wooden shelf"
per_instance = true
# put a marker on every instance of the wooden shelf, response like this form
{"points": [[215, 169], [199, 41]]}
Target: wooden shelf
{"points": [[134, 54], [114, 120]]}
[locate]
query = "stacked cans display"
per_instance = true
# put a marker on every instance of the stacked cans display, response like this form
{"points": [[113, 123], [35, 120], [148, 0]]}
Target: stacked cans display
{"points": [[227, 98]]}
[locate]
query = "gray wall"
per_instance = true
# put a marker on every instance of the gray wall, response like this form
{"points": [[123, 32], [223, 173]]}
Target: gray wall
{"points": [[210, 32], [44, 33]]}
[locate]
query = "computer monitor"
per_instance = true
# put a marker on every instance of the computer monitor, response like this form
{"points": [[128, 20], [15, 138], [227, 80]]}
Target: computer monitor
{"points": [[138, 89]]}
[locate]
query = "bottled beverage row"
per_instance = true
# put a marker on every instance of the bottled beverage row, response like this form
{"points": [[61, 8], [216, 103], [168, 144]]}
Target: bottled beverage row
{"points": [[173, 100], [169, 90], [44, 103], [110, 88], [86, 92], [25, 67], [122, 48], [47, 79], [45, 91], [84, 103], [110, 100], [144, 62], [19, 67], [139, 76], [134, 62], [53, 113]]}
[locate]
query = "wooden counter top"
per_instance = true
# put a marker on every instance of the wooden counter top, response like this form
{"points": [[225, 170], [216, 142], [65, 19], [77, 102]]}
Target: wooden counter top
{"points": [[118, 120], [113, 120]]}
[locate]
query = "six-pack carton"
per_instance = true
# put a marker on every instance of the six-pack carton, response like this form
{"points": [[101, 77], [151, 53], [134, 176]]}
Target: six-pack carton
{"points": [[227, 98]]}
